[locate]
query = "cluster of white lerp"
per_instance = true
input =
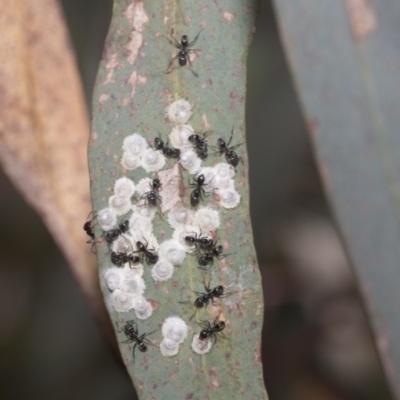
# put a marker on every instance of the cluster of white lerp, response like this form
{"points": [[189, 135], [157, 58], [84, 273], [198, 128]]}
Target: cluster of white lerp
{"points": [[126, 284], [185, 223], [174, 331], [127, 287], [219, 177], [137, 153]]}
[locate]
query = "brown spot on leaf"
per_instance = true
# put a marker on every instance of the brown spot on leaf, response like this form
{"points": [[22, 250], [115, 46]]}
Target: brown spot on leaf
{"points": [[110, 66], [227, 15], [154, 304], [103, 98], [205, 121]]}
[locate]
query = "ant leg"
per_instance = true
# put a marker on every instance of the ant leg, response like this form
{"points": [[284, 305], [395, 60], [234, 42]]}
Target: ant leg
{"points": [[192, 315], [174, 43], [235, 146], [127, 341], [145, 340], [223, 335], [170, 68], [214, 303], [195, 39], [204, 324], [133, 352], [93, 247], [186, 302], [189, 67], [230, 138], [91, 212], [205, 344]]}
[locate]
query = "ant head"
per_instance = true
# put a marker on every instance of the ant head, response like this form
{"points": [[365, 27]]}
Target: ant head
{"points": [[190, 239], [87, 225], [218, 250], [205, 241], [110, 236], [142, 347], [199, 302], [221, 142], [193, 138], [200, 179], [124, 226], [204, 334], [156, 184], [220, 325], [219, 290], [128, 328], [158, 143], [139, 245], [152, 258], [133, 259], [184, 40]]}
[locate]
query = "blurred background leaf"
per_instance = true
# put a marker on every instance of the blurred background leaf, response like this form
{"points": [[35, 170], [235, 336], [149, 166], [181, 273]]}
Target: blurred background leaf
{"points": [[44, 131], [345, 57]]}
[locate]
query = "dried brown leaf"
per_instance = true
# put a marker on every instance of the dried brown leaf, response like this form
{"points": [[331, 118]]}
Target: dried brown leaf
{"points": [[44, 130]]}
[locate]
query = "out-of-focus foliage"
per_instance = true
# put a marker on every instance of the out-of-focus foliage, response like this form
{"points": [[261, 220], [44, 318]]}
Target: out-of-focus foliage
{"points": [[345, 59], [44, 129]]}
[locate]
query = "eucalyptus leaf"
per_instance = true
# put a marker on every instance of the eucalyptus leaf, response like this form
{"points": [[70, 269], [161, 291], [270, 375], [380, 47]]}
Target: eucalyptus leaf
{"points": [[131, 95]]}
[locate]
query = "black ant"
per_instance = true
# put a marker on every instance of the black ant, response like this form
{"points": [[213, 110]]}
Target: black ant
{"points": [[149, 255], [152, 197], [132, 334], [167, 151], [113, 234], [201, 243], [200, 144], [230, 155], [121, 258], [212, 331], [204, 298], [198, 193], [206, 261], [88, 228], [183, 55]]}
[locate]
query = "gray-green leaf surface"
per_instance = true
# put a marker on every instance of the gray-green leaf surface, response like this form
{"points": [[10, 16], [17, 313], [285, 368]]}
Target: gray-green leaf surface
{"points": [[131, 94]]}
